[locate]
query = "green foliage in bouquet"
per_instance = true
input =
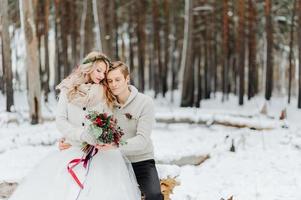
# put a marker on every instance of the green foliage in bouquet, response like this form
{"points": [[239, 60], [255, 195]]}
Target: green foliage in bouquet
{"points": [[104, 128]]}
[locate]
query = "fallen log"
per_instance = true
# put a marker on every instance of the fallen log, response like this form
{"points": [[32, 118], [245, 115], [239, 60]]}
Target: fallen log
{"points": [[229, 121], [186, 160]]}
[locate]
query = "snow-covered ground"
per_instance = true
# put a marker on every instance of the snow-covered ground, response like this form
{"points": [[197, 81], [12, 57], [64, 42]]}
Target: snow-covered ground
{"points": [[266, 165]]}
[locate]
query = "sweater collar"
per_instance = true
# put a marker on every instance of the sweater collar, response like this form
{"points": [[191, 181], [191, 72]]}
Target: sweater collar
{"points": [[133, 94]]}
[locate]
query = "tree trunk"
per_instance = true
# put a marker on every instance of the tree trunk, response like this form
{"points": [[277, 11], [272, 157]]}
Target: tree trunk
{"points": [[269, 53], [2, 89], [157, 47], [150, 49], [166, 46], [39, 23], [206, 44], [33, 75], [131, 44], [241, 51], [115, 22], [187, 62], [225, 42], [291, 52], [89, 33], [252, 82], [75, 35], [173, 50], [6, 50], [58, 57], [47, 72], [198, 75], [208, 54], [141, 42], [299, 47], [214, 22], [107, 25], [64, 27]]}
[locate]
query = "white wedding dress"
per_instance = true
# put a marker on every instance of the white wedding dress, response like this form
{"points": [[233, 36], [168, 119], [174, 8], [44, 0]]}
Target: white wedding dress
{"points": [[109, 177]]}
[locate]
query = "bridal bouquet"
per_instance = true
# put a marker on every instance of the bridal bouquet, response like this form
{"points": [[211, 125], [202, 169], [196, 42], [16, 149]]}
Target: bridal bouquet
{"points": [[104, 128]]}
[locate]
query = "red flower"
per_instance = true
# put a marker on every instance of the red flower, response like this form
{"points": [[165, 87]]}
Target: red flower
{"points": [[98, 121]]}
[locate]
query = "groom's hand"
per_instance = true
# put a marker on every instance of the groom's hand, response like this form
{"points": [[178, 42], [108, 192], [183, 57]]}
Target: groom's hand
{"points": [[63, 145], [105, 147]]}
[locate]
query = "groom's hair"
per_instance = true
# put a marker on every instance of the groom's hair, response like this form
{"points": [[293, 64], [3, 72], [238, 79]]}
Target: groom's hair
{"points": [[121, 66]]}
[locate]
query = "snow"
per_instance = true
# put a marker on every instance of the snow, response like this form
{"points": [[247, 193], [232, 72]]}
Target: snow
{"points": [[266, 164]]}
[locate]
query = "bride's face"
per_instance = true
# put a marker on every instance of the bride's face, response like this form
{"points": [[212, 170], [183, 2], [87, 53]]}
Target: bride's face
{"points": [[98, 73], [117, 82]]}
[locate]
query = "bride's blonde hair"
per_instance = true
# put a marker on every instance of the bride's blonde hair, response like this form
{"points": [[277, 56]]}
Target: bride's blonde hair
{"points": [[82, 74]]}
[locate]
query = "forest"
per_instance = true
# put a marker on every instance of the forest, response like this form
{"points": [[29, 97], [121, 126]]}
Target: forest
{"points": [[221, 79], [198, 47]]}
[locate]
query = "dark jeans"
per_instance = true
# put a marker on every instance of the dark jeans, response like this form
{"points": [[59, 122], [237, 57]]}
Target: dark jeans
{"points": [[148, 180]]}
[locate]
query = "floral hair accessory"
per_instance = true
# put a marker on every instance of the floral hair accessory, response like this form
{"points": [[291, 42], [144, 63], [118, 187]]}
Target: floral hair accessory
{"points": [[99, 57]]}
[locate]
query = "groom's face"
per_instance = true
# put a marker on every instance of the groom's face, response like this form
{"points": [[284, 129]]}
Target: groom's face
{"points": [[117, 82]]}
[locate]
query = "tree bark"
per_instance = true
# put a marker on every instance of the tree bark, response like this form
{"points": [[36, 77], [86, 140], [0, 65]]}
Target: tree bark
{"points": [[157, 47], [215, 59], [32, 63], [187, 62], [291, 52], [252, 82], [46, 30], [269, 52], [2, 89], [64, 27], [6, 50], [166, 46], [58, 57], [299, 47], [131, 44], [107, 24], [225, 54], [75, 33], [241, 51], [89, 33], [141, 37]]}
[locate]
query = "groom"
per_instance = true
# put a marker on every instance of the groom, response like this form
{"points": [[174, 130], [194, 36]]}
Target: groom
{"points": [[135, 114]]}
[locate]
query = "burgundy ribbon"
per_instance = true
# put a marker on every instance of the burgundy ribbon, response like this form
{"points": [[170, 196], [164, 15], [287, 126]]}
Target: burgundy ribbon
{"points": [[73, 163]]}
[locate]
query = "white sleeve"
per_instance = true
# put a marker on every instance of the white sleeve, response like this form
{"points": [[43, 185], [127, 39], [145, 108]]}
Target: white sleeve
{"points": [[63, 125]]}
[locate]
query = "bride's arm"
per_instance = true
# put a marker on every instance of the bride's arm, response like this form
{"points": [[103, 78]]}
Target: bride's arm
{"points": [[68, 130]]}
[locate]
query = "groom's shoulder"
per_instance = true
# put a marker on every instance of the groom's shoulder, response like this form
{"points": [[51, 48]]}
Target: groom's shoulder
{"points": [[144, 97], [144, 100]]}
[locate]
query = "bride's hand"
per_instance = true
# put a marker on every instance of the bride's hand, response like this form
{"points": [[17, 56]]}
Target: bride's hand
{"points": [[62, 145], [105, 147]]}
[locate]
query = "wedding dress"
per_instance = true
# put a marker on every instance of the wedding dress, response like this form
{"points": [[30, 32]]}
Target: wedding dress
{"points": [[107, 177]]}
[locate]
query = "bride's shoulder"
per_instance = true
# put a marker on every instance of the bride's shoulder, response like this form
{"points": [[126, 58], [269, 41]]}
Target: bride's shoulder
{"points": [[96, 87]]}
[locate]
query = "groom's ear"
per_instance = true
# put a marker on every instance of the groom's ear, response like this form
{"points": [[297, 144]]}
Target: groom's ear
{"points": [[127, 79]]}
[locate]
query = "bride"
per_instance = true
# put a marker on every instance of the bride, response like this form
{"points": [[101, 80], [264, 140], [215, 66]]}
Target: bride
{"points": [[108, 175]]}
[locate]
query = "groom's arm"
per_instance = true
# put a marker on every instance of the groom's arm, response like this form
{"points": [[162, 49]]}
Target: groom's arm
{"points": [[137, 144]]}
